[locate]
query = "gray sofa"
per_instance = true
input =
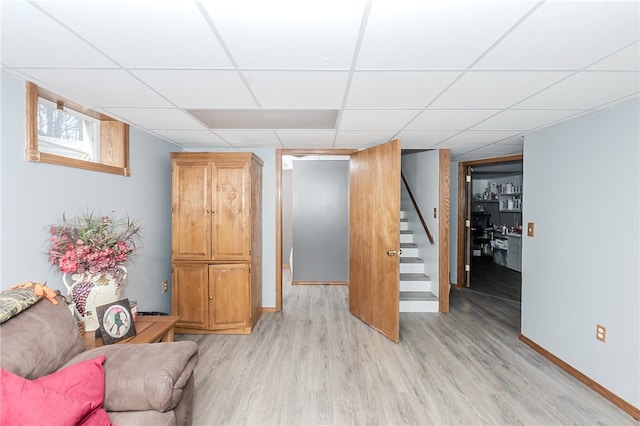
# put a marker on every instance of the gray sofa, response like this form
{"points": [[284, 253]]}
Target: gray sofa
{"points": [[145, 384]]}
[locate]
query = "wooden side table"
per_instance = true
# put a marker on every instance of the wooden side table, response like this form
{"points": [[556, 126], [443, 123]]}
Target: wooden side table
{"points": [[149, 329]]}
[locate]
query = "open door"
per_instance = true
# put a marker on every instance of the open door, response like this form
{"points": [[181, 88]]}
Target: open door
{"points": [[374, 237], [468, 226]]}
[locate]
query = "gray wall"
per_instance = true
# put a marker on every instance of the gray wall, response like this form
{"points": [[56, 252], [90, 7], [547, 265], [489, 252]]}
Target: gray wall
{"points": [[320, 220], [287, 215], [34, 195], [582, 185]]}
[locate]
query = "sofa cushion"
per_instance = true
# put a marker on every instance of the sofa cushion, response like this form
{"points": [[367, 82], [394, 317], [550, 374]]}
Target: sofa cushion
{"points": [[147, 376], [39, 340], [73, 395]]}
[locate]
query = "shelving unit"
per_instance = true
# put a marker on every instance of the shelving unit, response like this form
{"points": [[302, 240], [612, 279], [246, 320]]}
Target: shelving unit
{"points": [[510, 198], [511, 202]]}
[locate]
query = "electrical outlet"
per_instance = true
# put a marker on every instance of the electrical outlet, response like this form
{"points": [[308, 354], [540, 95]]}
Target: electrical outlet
{"points": [[165, 286], [601, 333]]}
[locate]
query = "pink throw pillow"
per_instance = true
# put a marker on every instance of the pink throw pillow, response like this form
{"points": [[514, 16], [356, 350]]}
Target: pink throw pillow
{"points": [[70, 396]]}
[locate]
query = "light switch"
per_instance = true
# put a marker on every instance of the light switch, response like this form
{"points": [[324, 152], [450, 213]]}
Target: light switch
{"points": [[530, 229]]}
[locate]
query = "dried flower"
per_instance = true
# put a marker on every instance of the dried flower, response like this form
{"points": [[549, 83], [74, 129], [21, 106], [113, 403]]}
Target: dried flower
{"points": [[92, 243]]}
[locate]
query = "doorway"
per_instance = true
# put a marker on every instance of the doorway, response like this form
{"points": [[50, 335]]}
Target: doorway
{"points": [[489, 220], [281, 234]]}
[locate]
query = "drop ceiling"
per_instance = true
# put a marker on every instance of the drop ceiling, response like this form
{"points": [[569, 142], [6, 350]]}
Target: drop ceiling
{"points": [[471, 76]]}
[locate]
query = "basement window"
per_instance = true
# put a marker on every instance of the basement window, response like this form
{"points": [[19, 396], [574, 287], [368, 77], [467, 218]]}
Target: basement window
{"points": [[62, 132]]}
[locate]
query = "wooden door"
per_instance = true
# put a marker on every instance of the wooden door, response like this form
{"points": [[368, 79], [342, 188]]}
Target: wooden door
{"points": [[190, 295], [190, 210], [374, 237], [231, 210], [229, 296]]}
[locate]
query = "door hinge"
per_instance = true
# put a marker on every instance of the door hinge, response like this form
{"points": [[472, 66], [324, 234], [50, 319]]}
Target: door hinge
{"points": [[468, 178], [467, 268], [467, 223]]}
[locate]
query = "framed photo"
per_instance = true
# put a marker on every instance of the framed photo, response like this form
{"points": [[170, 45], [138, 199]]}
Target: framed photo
{"points": [[116, 321]]}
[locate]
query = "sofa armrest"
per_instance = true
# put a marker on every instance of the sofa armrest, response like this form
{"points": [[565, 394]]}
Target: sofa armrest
{"points": [[144, 376]]}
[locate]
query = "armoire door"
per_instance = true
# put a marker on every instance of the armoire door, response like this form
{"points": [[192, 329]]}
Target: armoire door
{"points": [[231, 210], [191, 210]]}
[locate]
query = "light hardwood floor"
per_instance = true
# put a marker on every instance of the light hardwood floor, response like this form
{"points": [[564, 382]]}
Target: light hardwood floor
{"points": [[316, 364]]}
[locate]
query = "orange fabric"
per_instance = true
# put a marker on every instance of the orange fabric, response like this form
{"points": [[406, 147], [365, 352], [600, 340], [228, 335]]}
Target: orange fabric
{"points": [[40, 290]]}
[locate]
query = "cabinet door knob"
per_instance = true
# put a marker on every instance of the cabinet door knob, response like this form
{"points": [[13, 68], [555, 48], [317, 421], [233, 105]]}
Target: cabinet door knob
{"points": [[210, 297]]}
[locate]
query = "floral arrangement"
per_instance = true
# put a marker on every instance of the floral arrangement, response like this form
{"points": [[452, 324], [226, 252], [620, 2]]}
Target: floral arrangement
{"points": [[92, 243]]}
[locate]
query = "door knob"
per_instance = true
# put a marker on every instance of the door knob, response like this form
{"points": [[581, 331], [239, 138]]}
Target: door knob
{"points": [[393, 252]]}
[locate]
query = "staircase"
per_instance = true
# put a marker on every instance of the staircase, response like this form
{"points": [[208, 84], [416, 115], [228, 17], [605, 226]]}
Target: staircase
{"points": [[415, 284]]}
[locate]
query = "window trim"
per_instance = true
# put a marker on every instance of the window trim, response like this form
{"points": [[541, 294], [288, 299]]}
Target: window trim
{"points": [[114, 137]]}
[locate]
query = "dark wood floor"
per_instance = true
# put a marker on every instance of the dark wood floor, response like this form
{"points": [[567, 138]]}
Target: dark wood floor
{"points": [[495, 280]]}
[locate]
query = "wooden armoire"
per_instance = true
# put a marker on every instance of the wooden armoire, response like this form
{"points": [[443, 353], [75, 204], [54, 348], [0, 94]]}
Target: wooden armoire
{"points": [[216, 241]]}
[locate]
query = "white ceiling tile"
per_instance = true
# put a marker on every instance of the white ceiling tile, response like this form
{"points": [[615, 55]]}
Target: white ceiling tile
{"points": [[298, 89], [356, 138], [428, 137], [567, 35], [434, 34], [481, 136], [450, 119], [30, 38], [513, 140], [524, 119], [157, 118], [396, 89], [249, 137], [295, 57], [375, 119], [626, 59], [586, 90], [293, 137], [98, 88], [199, 88], [288, 34], [192, 137], [495, 89], [144, 34]]}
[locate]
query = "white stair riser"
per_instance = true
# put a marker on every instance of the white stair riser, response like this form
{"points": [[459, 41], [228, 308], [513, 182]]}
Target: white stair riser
{"points": [[409, 252], [415, 285], [418, 306], [411, 268], [411, 285], [406, 238]]}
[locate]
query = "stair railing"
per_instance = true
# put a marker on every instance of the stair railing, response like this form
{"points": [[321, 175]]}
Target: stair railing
{"points": [[415, 205]]}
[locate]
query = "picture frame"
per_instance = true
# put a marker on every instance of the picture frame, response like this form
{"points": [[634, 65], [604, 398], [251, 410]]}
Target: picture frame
{"points": [[115, 321]]}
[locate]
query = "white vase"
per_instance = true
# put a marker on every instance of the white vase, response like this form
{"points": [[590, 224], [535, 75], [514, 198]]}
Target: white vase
{"points": [[88, 291]]}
